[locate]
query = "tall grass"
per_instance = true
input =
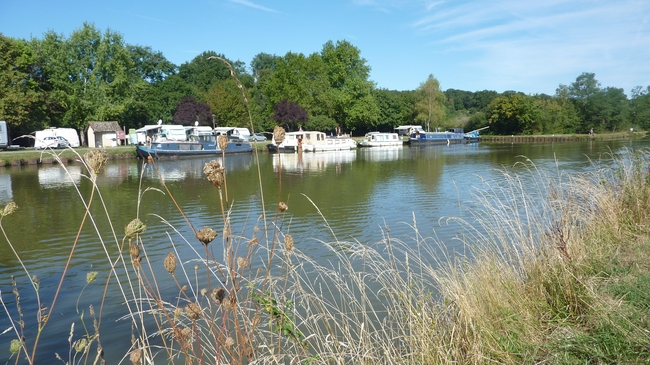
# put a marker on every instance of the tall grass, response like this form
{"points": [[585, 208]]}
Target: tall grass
{"points": [[555, 272]]}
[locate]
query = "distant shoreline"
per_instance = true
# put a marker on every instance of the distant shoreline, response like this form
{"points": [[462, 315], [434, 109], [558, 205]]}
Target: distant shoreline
{"points": [[9, 158]]}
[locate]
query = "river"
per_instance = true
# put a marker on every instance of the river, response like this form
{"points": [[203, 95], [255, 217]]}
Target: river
{"points": [[332, 197]]}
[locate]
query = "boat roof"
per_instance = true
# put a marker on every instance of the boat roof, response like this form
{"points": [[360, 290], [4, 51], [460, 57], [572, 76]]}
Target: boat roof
{"points": [[403, 127], [147, 128]]}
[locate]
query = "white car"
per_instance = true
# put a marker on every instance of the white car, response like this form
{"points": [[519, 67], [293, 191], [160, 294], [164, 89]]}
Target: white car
{"points": [[55, 142]]}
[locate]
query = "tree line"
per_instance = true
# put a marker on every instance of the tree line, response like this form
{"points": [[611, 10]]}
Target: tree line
{"points": [[59, 81]]}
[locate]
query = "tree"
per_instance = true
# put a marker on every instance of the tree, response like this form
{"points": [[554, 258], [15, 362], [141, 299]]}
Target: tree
{"points": [[514, 114], [150, 65], [431, 103], [300, 79], [201, 73], [289, 114], [350, 98], [225, 101], [21, 99], [640, 107], [263, 64], [190, 111], [607, 109], [163, 98]]}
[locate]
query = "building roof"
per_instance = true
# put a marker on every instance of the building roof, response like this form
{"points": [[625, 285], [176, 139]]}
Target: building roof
{"points": [[105, 126]]}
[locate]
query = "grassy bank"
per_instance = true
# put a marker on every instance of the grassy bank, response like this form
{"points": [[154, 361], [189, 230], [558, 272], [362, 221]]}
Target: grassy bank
{"points": [[556, 272], [30, 156]]}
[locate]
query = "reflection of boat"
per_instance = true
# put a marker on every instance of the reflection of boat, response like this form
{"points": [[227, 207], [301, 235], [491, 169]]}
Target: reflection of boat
{"points": [[56, 176], [451, 136], [312, 162], [379, 139], [311, 141], [177, 170], [381, 154], [203, 145]]}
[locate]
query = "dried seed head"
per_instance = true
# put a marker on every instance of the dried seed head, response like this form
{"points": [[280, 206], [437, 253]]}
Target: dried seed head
{"points": [[136, 357], [36, 281], [15, 346], [170, 263], [278, 134], [222, 141], [134, 228], [9, 209], [91, 276], [204, 291], [96, 160], [282, 206], [253, 242], [177, 312], [193, 311], [256, 320], [214, 172], [80, 345], [256, 229], [134, 250], [218, 295], [230, 341], [288, 243], [186, 332], [242, 262], [206, 235]]}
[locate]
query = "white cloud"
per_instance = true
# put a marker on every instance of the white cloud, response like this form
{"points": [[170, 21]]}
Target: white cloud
{"points": [[253, 5]]}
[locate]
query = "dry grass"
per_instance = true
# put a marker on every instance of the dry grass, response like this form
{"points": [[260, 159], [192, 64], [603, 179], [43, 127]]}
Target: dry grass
{"points": [[552, 263]]}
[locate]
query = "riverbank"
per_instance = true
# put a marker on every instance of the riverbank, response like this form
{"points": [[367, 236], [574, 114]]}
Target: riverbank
{"points": [[31, 156], [563, 137], [551, 269]]}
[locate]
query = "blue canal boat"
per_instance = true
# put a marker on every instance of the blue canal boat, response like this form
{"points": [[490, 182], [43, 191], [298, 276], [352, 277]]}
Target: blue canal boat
{"points": [[204, 145]]}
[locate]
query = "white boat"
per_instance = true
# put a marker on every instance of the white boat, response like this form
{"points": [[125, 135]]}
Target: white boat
{"points": [[380, 139], [311, 141]]}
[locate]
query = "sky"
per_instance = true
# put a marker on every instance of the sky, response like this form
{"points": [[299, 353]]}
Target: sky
{"points": [[520, 45]]}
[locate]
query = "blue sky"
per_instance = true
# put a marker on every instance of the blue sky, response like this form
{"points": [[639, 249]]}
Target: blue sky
{"points": [[521, 45]]}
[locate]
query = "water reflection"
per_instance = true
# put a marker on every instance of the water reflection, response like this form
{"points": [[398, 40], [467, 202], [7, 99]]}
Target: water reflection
{"points": [[6, 194], [59, 176], [381, 154], [364, 195], [316, 162]]}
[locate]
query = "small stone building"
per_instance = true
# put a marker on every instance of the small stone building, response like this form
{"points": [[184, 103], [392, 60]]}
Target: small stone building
{"points": [[105, 134]]}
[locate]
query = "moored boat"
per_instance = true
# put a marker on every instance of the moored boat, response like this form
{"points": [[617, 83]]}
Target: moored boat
{"points": [[474, 136], [203, 145], [380, 139], [450, 136], [311, 141]]}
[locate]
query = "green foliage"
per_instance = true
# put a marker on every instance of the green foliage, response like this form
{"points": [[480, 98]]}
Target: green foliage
{"points": [[59, 81], [514, 114], [283, 320], [430, 104]]}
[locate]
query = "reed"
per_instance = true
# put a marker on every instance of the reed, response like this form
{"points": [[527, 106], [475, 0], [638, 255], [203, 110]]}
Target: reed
{"points": [[553, 272]]}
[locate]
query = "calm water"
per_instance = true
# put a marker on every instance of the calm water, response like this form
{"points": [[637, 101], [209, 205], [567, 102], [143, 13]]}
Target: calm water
{"points": [[357, 193]]}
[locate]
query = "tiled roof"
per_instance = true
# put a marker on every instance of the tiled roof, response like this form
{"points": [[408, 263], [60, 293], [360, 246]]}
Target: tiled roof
{"points": [[105, 126]]}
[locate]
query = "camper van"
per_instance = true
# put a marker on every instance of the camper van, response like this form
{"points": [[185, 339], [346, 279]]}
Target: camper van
{"points": [[70, 134], [5, 138], [233, 133]]}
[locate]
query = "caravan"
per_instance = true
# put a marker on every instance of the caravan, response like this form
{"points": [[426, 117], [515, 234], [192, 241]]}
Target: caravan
{"points": [[70, 134], [5, 138], [233, 133]]}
